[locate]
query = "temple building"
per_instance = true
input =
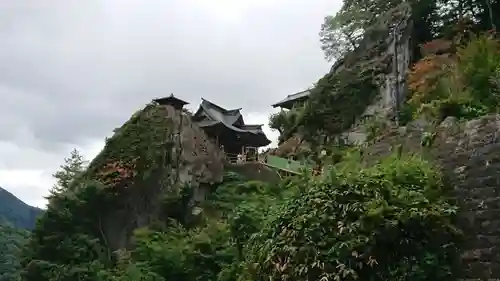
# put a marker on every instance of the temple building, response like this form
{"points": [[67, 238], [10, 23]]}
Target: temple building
{"points": [[228, 130], [292, 100], [172, 101]]}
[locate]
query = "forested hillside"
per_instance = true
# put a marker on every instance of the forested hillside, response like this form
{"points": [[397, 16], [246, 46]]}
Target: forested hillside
{"points": [[16, 212], [136, 213], [16, 219]]}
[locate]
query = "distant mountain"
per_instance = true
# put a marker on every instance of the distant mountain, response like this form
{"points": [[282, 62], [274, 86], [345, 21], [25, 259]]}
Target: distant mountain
{"points": [[16, 212]]}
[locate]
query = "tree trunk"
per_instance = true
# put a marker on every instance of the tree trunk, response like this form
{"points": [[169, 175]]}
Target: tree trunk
{"points": [[490, 14]]}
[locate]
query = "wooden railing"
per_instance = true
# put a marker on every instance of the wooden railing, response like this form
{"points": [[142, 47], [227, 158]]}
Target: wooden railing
{"points": [[240, 158]]}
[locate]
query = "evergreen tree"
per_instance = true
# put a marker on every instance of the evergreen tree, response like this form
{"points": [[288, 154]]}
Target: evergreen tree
{"points": [[73, 166], [11, 242]]}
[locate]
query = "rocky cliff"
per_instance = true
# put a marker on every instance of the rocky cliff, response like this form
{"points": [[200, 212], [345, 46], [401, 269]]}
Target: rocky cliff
{"points": [[158, 165], [367, 82], [469, 153], [391, 48], [158, 152], [387, 45]]}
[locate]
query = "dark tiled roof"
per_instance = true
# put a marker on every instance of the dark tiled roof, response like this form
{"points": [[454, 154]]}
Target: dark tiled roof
{"points": [[228, 118], [290, 99], [219, 114], [170, 100], [252, 127]]}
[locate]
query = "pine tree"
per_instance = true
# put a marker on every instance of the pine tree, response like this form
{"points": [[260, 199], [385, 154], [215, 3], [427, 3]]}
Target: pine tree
{"points": [[73, 166]]}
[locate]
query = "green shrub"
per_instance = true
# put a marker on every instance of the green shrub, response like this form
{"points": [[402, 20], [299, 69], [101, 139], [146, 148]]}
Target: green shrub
{"points": [[337, 101], [212, 250], [389, 222], [478, 62], [183, 254], [287, 122], [465, 86]]}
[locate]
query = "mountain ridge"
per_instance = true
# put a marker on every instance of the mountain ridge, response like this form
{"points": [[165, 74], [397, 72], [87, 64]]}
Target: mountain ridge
{"points": [[17, 212]]}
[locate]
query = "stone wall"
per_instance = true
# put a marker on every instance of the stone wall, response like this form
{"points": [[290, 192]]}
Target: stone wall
{"points": [[469, 154]]}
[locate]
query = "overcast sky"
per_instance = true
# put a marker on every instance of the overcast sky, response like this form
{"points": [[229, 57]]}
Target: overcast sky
{"points": [[72, 70]]}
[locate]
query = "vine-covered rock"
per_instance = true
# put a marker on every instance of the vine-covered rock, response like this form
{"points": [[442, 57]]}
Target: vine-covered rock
{"points": [[362, 82], [157, 153], [152, 169]]}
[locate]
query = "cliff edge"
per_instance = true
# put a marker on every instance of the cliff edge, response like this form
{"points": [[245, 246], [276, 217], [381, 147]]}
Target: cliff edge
{"points": [[156, 167]]}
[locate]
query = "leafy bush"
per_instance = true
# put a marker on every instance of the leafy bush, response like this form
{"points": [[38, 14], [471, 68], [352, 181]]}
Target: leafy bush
{"points": [[337, 101], [478, 62], [374, 126], [215, 249], [286, 122], [462, 85], [424, 78], [389, 222], [183, 254]]}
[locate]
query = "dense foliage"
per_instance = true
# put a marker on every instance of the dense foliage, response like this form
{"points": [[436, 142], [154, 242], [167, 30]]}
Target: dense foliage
{"points": [[392, 221], [169, 251], [343, 32], [326, 113], [336, 226], [12, 240], [461, 84], [287, 122], [214, 249]]}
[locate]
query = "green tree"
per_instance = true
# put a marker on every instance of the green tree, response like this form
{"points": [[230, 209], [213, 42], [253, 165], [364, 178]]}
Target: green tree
{"points": [[337, 37], [287, 122], [342, 33], [73, 166], [11, 242]]}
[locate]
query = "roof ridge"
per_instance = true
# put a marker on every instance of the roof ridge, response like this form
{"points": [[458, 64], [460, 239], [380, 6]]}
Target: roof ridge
{"points": [[214, 104], [224, 110]]}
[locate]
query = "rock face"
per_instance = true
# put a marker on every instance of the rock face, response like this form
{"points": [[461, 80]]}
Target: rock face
{"points": [[387, 45], [291, 146], [399, 48], [469, 154], [159, 153]]}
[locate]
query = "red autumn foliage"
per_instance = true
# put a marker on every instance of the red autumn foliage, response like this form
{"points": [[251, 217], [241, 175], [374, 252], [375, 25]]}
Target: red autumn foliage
{"points": [[437, 46], [117, 172], [424, 76]]}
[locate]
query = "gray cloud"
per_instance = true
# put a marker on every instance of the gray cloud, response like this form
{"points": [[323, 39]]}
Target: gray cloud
{"points": [[72, 70]]}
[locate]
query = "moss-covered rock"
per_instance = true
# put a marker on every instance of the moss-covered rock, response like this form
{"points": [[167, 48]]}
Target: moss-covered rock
{"points": [[156, 154], [152, 169]]}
